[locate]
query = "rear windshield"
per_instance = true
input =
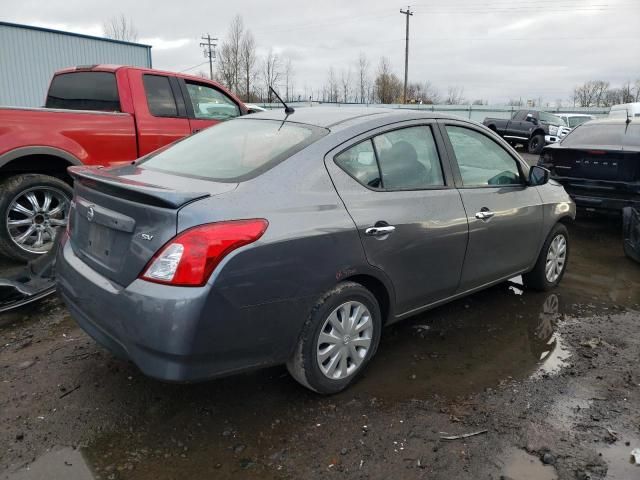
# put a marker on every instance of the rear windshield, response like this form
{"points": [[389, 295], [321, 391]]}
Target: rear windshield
{"points": [[235, 150], [84, 91], [595, 134]]}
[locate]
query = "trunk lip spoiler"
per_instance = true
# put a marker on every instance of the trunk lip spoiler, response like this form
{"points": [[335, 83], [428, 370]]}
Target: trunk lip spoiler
{"points": [[101, 180]]}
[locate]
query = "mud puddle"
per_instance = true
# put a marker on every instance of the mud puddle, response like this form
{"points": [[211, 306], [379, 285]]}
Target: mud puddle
{"points": [[620, 464], [519, 465]]}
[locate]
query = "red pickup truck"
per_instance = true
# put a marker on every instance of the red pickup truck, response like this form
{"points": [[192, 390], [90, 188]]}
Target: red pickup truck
{"points": [[94, 115]]}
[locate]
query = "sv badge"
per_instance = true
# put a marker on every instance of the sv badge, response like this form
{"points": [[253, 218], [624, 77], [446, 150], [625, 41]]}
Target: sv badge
{"points": [[146, 236]]}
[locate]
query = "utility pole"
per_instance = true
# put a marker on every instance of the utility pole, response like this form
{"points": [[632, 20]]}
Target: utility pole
{"points": [[210, 51], [408, 13]]}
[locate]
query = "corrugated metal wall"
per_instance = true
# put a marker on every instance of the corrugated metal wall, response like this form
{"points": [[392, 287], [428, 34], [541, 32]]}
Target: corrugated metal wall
{"points": [[29, 56]]}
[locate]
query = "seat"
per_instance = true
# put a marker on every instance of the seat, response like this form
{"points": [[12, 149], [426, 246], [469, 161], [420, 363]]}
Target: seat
{"points": [[401, 168]]}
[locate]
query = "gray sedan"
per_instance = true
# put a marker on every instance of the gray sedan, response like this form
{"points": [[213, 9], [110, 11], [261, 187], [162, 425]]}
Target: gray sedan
{"points": [[274, 239]]}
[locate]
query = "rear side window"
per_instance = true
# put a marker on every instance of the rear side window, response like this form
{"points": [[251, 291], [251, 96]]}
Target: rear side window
{"points": [[96, 91], [519, 115], [160, 98], [403, 159], [595, 134], [235, 151], [360, 162]]}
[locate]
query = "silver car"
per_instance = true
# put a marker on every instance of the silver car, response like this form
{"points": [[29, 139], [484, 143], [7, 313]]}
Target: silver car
{"points": [[273, 239]]}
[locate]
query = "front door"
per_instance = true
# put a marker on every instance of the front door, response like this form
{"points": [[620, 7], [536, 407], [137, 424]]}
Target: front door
{"points": [[505, 215], [409, 215], [207, 106]]}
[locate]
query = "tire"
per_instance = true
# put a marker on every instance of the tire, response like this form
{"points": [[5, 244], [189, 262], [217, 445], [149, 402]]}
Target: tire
{"points": [[14, 189], [537, 278], [536, 144], [305, 363]]}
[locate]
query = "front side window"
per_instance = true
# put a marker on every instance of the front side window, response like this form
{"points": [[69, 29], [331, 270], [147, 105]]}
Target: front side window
{"points": [[552, 119], [210, 104], [160, 98], [96, 91], [234, 151], [482, 162]]}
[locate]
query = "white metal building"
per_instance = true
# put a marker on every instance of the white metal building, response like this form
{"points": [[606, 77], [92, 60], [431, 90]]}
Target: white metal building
{"points": [[29, 56]]}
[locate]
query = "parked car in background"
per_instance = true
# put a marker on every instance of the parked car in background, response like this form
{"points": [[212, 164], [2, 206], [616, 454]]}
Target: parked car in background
{"points": [[625, 110], [598, 163], [574, 119], [94, 115], [532, 128], [253, 108], [300, 239]]}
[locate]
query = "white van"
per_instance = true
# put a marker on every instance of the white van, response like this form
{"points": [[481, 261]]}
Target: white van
{"points": [[621, 110]]}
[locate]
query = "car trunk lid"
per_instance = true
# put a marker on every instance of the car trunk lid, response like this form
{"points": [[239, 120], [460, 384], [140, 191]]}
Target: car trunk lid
{"points": [[613, 165], [121, 217]]}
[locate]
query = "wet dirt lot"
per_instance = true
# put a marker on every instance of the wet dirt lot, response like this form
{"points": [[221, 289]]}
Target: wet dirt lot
{"points": [[550, 376]]}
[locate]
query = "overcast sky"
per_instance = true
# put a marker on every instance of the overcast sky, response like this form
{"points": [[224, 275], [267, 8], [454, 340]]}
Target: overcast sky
{"points": [[494, 49]]}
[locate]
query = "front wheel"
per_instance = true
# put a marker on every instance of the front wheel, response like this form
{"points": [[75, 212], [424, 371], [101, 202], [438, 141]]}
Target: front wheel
{"points": [[536, 144], [552, 261], [338, 339], [32, 208]]}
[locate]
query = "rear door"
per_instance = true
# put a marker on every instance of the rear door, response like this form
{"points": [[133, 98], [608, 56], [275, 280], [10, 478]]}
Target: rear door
{"points": [[504, 214], [515, 125], [206, 105], [161, 115], [409, 215]]}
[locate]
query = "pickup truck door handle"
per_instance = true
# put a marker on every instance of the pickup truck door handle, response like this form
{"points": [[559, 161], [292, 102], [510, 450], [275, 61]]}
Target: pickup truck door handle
{"points": [[484, 214], [196, 130], [379, 231]]}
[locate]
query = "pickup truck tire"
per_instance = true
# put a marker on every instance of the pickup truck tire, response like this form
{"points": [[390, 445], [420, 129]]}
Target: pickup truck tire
{"points": [[32, 207], [552, 261], [536, 144]]}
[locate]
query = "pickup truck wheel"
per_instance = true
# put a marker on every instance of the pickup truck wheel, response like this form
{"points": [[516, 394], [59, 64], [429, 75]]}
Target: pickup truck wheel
{"points": [[536, 144], [32, 208]]}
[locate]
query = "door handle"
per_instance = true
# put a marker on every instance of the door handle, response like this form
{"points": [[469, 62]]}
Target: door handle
{"points": [[196, 130], [484, 214], [379, 231]]}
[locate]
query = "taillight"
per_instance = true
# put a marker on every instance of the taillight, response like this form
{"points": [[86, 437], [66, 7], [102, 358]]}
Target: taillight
{"points": [[189, 259]]}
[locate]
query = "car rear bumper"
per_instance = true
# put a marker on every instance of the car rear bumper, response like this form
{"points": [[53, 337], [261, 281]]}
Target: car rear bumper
{"points": [[175, 334]]}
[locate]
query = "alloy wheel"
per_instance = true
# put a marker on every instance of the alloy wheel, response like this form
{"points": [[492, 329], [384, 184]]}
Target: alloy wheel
{"points": [[556, 258], [33, 217]]}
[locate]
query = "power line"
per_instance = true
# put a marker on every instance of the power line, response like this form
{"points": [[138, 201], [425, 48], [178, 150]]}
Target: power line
{"points": [[195, 66], [209, 51], [407, 13]]}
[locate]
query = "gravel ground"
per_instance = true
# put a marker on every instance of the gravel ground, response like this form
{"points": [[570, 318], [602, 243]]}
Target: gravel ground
{"points": [[548, 382]]}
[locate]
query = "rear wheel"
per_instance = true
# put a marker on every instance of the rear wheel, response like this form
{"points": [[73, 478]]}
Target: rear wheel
{"points": [[32, 208], [536, 144], [338, 339], [552, 261]]}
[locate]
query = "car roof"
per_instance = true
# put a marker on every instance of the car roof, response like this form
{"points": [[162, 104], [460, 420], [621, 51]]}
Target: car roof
{"points": [[573, 115], [337, 117], [608, 121]]}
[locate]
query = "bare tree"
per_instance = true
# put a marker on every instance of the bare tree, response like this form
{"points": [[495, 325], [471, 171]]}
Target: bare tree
{"points": [[591, 93], [387, 85], [271, 73], [248, 62], [423, 92], [627, 92], [363, 76], [455, 96], [330, 90], [288, 78], [230, 55], [345, 83], [120, 28], [637, 95]]}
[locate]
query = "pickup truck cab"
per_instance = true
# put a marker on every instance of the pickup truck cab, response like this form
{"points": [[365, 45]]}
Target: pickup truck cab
{"points": [[532, 128], [95, 115]]}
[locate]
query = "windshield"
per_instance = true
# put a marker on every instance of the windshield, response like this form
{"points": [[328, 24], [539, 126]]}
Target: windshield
{"points": [[551, 119], [595, 134], [236, 150]]}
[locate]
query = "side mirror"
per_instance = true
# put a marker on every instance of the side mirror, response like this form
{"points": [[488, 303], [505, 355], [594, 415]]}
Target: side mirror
{"points": [[532, 119], [538, 176]]}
